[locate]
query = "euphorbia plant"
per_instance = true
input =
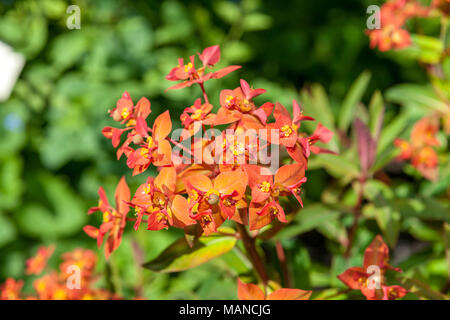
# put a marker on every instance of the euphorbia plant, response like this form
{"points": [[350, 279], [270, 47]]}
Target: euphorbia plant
{"points": [[206, 180]]}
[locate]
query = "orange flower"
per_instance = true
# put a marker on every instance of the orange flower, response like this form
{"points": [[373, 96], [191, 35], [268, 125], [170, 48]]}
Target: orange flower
{"points": [[11, 289], [210, 202], [264, 206], [424, 132], [48, 287], [419, 150], [321, 134], [249, 291], [83, 259], [426, 162], [189, 75], [197, 112], [394, 15], [357, 278], [153, 149], [58, 286], [126, 113], [114, 219], [405, 148], [153, 199], [37, 264]]}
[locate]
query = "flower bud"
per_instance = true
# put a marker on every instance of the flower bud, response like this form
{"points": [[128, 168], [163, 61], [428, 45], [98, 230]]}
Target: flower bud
{"points": [[138, 139], [213, 199], [116, 115]]}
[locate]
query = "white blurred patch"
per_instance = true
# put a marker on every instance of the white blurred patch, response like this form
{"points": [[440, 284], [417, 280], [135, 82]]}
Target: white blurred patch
{"points": [[11, 64]]}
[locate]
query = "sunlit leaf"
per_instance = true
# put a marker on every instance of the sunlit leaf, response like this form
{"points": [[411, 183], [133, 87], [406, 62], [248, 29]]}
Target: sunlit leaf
{"points": [[179, 256]]}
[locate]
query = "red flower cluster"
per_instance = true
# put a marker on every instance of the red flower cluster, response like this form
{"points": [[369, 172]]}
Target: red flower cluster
{"points": [[219, 176], [370, 279], [420, 150], [394, 15], [77, 266]]}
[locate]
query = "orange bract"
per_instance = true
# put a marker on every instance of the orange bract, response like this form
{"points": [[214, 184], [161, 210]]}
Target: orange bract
{"points": [[249, 291]]}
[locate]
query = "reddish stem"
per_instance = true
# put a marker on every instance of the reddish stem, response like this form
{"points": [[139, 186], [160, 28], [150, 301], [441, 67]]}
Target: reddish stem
{"points": [[205, 96], [284, 268], [250, 247]]}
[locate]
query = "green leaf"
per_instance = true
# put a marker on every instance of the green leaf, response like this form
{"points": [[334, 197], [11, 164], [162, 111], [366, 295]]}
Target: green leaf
{"points": [[227, 11], [388, 221], [422, 289], [416, 96], [351, 100], [447, 246], [392, 131], [301, 264], [376, 110], [11, 184], [237, 51], [7, 230], [336, 165], [424, 208], [257, 21], [429, 49], [237, 261], [54, 211], [308, 219], [334, 229], [179, 256], [316, 104], [421, 230]]}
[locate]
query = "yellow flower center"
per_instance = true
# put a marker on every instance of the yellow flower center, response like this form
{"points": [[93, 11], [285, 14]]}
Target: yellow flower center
{"points": [[106, 216], [274, 211], [286, 130], [144, 152], [137, 211], [125, 113], [159, 199], [194, 195], [197, 114], [265, 186], [392, 294], [188, 67], [131, 123], [238, 148], [228, 100], [246, 106], [41, 286], [206, 219], [194, 209], [161, 217], [60, 294], [147, 188], [150, 142], [227, 202], [362, 281]]}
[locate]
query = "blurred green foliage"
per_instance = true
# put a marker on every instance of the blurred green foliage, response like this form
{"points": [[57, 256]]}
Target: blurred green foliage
{"points": [[53, 156]]}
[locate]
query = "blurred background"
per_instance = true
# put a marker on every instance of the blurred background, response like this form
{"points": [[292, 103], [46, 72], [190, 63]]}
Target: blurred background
{"points": [[53, 156]]}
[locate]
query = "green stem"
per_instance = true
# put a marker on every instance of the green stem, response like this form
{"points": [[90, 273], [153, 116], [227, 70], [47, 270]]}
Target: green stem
{"points": [[357, 215]]}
